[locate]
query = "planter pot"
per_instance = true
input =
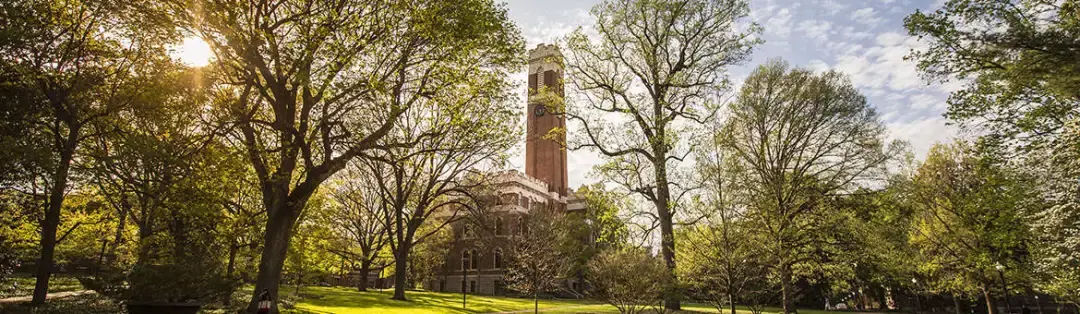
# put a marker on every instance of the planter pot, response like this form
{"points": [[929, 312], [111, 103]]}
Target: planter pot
{"points": [[162, 308]]}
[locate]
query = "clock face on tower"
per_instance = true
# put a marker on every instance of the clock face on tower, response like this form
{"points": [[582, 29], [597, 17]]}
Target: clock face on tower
{"points": [[540, 110]]}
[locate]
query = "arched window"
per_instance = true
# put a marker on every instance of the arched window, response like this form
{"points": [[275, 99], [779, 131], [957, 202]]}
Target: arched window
{"points": [[498, 226], [498, 258], [521, 225], [475, 262], [466, 259]]}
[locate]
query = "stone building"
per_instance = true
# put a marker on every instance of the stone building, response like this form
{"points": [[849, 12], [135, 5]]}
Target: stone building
{"points": [[480, 269]]}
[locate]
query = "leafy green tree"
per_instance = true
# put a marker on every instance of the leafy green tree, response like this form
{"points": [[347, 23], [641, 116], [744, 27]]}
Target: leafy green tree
{"points": [[361, 216], [536, 263], [74, 63], [800, 139], [1058, 225], [150, 146], [970, 219], [598, 227], [317, 84], [659, 67], [456, 138], [1016, 58], [630, 294]]}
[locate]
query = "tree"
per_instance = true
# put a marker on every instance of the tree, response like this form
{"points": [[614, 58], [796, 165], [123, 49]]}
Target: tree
{"points": [[630, 294], [75, 63], [655, 74], [456, 137], [1057, 225], [536, 265], [150, 146], [361, 215], [1016, 58], [800, 139], [317, 84], [969, 220], [598, 227]]}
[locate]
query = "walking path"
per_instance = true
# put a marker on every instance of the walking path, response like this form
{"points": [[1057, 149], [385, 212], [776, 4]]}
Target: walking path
{"points": [[54, 295]]}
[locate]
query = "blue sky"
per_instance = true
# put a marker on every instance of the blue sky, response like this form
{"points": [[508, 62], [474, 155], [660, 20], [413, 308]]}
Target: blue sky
{"points": [[864, 39]]}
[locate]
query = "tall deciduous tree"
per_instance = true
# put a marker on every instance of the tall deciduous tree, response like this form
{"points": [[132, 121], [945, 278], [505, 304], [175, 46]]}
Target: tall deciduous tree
{"points": [[654, 75], [456, 137], [801, 138], [969, 220], [537, 265], [75, 62], [1018, 60], [361, 215], [319, 83]]}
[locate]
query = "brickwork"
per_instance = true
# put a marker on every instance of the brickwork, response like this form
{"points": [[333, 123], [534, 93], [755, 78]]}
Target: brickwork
{"points": [[545, 157]]}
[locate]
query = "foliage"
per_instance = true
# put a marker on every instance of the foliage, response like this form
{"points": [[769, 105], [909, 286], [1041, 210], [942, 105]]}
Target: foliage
{"points": [[598, 227], [970, 219], [536, 263], [360, 214], [1057, 226], [799, 140], [659, 66], [612, 283], [68, 65], [1017, 60], [319, 84]]}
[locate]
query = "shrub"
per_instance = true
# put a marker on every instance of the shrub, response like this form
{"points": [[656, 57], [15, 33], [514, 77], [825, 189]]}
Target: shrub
{"points": [[629, 279]]}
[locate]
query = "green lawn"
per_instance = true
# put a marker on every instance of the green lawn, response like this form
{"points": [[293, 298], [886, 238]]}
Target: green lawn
{"points": [[348, 300], [24, 284]]}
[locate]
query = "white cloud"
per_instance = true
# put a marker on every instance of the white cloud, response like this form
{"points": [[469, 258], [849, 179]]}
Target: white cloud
{"points": [[817, 66], [926, 101], [922, 134], [815, 29], [780, 23], [866, 16], [832, 7]]}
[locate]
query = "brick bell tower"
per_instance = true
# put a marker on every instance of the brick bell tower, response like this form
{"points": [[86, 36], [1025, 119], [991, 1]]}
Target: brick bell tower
{"points": [[545, 158]]}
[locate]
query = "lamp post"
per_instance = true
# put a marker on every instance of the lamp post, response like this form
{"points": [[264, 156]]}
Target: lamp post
{"points": [[464, 271], [1004, 287], [915, 291]]}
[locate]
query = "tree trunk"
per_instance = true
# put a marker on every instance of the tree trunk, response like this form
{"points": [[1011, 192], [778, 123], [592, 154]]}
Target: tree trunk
{"points": [[229, 269], [788, 299], [400, 265], [118, 238], [667, 248], [990, 309], [365, 267], [278, 234], [956, 304], [51, 222], [731, 302]]}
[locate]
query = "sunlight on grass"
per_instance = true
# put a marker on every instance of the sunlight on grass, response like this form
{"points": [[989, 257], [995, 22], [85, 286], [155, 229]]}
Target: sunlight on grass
{"points": [[348, 300]]}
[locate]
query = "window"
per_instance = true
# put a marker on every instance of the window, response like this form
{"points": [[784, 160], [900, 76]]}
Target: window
{"points": [[523, 201], [474, 259], [498, 259], [521, 225], [465, 259], [508, 199], [472, 286], [498, 226], [466, 232]]}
